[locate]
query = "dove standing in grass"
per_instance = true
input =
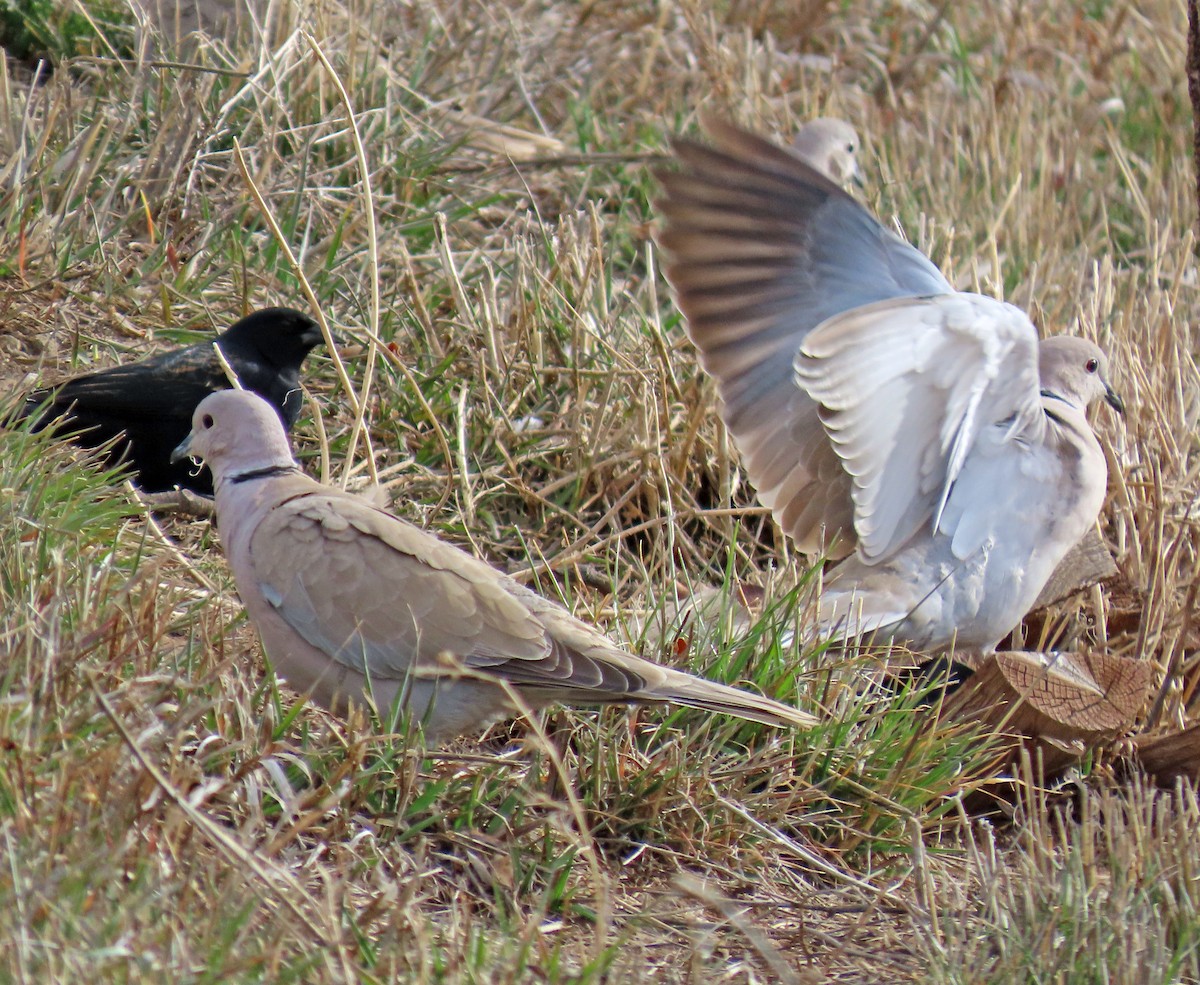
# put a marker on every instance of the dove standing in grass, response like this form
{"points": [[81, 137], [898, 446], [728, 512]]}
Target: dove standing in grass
{"points": [[831, 146], [926, 433], [350, 600], [147, 405]]}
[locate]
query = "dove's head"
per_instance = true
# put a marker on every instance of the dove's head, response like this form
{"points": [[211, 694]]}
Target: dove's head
{"points": [[1076, 370], [831, 146], [236, 432]]}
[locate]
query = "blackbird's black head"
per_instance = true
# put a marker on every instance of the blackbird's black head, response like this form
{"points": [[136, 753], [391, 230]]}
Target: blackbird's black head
{"points": [[281, 337]]}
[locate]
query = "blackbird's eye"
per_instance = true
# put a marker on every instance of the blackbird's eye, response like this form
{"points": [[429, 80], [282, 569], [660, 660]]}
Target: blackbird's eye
{"points": [[1092, 365], [206, 421]]}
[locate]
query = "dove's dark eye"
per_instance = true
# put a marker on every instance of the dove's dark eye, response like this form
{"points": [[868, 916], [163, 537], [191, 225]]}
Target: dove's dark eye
{"points": [[206, 421], [1092, 365]]}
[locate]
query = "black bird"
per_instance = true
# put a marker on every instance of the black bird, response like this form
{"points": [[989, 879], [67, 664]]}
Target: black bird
{"points": [[148, 404]]}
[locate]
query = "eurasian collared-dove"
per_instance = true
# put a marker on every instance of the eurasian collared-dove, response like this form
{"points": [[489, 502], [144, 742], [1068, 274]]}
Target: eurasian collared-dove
{"points": [[881, 413], [831, 146], [347, 598]]}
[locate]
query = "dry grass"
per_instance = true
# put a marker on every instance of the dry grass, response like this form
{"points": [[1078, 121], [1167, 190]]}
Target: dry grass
{"points": [[524, 387]]}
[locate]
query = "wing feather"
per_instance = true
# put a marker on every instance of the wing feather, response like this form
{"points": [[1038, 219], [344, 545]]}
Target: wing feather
{"points": [[760, 249], [906, 388], [384, 597], [387, 599]]}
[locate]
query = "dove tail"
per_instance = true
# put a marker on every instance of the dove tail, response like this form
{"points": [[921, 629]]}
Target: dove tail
{"points": [[695, 692]]}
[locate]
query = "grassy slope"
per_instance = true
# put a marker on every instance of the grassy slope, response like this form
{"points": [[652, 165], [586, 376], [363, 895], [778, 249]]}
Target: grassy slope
{"points": [[167, 814]]}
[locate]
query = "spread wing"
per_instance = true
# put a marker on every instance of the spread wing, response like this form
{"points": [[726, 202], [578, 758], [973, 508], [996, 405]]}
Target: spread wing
{"points": [[760, 249], [907, 387]]}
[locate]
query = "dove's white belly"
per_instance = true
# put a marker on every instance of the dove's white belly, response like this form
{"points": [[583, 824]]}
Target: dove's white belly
{"points": [[927, 598]]}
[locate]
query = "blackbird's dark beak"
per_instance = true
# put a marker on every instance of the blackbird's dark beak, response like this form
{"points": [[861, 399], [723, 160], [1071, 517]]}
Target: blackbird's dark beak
{"points": [[312, 334], [314, 337]]}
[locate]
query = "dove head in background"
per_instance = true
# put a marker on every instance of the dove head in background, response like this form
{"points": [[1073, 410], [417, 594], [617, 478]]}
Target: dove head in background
{"points": [[217, 425], [1076, 371], [831, 146]]}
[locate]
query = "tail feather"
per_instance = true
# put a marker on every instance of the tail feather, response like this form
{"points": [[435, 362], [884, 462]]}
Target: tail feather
{"points": [[696, 692]]}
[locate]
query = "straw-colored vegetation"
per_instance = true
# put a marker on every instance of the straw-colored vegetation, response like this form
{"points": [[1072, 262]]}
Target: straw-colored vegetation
{"points": [[523, 386]]}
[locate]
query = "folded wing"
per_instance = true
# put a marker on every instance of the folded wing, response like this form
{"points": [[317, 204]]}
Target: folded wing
{"points": [[170, 384], [388, 600], [383, 597]]}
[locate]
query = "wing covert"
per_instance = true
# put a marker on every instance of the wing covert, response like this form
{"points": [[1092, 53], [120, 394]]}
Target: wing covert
{"points": [[906, 386], [380, 595]]}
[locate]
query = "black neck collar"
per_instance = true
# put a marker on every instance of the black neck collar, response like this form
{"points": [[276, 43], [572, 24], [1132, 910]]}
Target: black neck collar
{"points": [[1051, 395], [263, 473]]}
